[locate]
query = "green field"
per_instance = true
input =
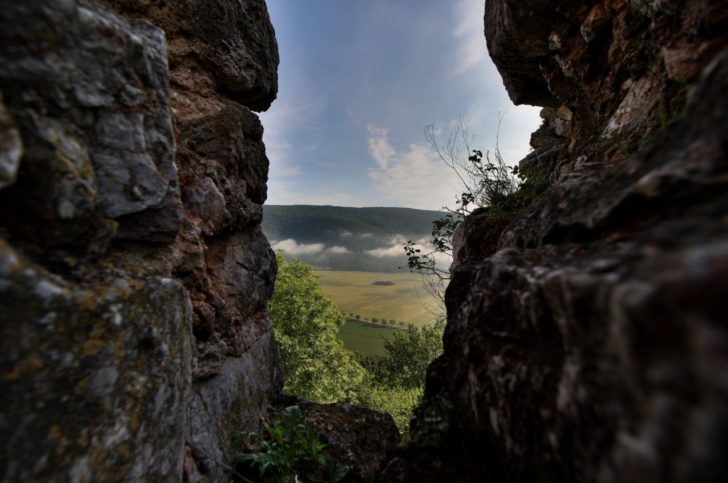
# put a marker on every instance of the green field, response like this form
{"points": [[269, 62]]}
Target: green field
{"points": [[364, 337], [403, 299]]}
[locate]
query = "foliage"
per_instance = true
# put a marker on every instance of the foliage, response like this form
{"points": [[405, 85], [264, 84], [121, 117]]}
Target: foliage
{"points": [[399, 402], [290, 451], [397, 378], [487, 182], [316, 366], [407, 355]]}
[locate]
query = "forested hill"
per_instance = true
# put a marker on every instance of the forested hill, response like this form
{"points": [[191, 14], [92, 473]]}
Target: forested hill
{"points": [[342, 238]]}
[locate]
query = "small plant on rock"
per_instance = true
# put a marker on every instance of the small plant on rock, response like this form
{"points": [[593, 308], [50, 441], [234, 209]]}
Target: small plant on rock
{"points": [[289, 451]]}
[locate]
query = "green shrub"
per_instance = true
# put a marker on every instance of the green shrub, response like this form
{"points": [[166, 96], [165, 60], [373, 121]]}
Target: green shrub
{"points": [[290, 451], [316, 365], [399, 402]]}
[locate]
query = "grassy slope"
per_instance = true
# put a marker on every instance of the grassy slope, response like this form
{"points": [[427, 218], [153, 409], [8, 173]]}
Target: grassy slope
{"points": [[406, 300], [365, 338]]}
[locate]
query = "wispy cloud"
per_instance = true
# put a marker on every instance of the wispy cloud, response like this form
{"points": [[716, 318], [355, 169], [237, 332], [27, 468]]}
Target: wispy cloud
{"points": [[471, 50], [379, 146], [415, 177]]}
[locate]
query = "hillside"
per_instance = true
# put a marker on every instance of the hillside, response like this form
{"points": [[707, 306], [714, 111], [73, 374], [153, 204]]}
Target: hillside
{"points": [[342, 238]]}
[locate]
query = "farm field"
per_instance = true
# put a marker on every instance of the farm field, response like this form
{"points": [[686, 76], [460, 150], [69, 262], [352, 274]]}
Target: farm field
{"points": [[395, 296], [402, 298], [364, 337]]}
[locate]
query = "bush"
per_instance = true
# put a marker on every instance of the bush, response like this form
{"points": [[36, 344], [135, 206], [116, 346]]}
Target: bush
{"points": [[316, 365], [407, 355], [398, 402]]}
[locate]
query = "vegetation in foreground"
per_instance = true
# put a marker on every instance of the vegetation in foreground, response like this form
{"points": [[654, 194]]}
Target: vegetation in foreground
{"points": [[288, 450], [489, 186], [317, 366]]}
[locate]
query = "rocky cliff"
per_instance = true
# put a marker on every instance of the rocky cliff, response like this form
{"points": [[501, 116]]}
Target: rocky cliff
{"points": [[133, 271], [587, 338]]}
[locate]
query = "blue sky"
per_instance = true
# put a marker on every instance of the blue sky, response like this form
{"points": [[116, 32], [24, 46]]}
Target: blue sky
{"points": [[358, 82]]}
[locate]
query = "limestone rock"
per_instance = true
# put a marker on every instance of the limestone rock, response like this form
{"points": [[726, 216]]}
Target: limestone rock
{"points": [[89, 93], [230, 404], [587, 343], [96, 377], [517, 33], [596, 57], [354, 436], [133, 272], [229, 46]]}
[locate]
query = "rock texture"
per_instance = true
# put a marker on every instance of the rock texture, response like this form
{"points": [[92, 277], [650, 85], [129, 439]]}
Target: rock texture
{"points": [[355, 437], [589, 342], [133, 271]]}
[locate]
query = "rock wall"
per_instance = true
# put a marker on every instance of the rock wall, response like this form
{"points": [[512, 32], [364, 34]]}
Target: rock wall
{"points": [[589, 342], [133, 270]]}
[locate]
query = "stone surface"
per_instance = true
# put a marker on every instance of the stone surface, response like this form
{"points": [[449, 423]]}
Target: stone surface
{"points": [[354, 436], [89, 92], [588, 343], [132, 173], [96, 376], [224, 46], [592, 57], [11, 147], [243, 383]]}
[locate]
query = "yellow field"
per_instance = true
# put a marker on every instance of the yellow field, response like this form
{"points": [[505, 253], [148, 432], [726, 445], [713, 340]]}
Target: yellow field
{"points": [[405, 300]]}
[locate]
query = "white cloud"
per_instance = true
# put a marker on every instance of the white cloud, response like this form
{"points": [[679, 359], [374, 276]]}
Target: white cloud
{"points": [[415, 177], [365, 235], [379, 146], [393, 251], [337, 250], [395, 248], [291, 247], [346, 234]]}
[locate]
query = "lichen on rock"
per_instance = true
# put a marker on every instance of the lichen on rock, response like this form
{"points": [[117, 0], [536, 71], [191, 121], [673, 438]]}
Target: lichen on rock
{"points": [[133, 271]]}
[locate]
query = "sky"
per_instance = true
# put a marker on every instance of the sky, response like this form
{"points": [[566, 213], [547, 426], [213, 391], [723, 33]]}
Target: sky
{"points": [[359, 80]]}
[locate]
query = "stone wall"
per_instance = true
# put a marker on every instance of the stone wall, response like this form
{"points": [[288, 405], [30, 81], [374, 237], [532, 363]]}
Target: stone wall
{"points": [[133, 270], [587, 340]]}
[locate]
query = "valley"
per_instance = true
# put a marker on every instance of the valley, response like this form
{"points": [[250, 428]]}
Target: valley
{"points": [[378, 304], [359, 257]]}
